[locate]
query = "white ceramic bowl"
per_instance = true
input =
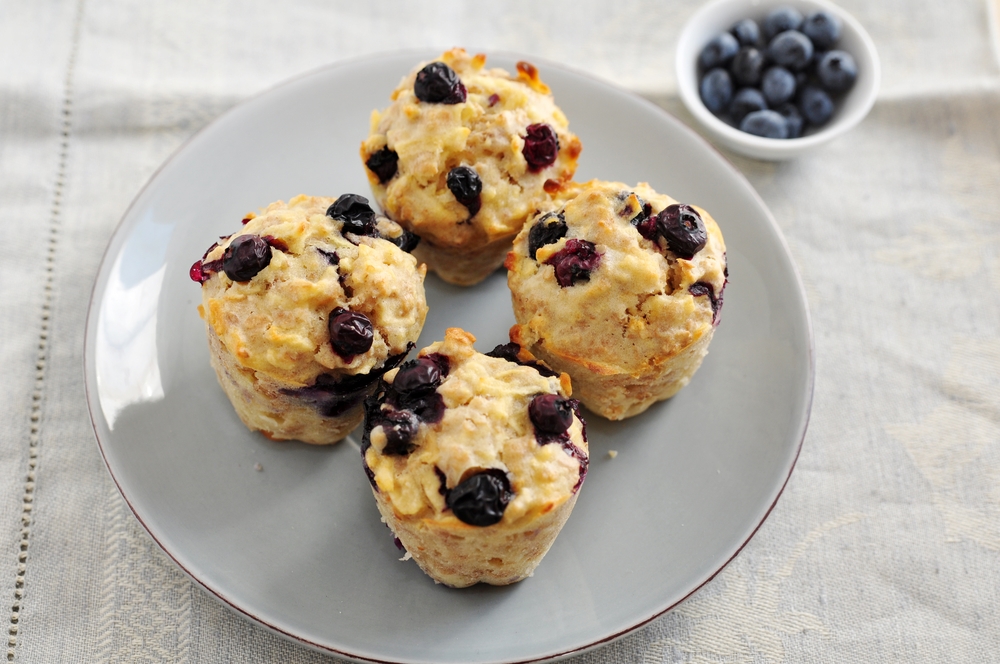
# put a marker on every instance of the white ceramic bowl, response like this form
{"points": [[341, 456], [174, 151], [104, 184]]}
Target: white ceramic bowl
{"points": [[718, 16]]}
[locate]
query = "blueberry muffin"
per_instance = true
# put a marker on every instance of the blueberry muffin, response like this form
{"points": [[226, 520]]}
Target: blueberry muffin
{"points": [[475, 460], [621, 288], [305, 308], [463, 155]]}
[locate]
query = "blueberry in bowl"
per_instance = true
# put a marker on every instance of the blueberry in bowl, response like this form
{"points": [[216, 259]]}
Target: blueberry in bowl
{"points": [[813, 64]]}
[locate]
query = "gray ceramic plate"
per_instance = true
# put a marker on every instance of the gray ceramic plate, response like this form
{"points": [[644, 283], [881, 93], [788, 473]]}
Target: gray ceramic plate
{"points": [[298, 546]]}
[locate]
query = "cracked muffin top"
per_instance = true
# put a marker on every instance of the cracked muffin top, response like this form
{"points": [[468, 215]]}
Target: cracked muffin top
{"points": [[615, 277], [464, 154], [313, 286]]}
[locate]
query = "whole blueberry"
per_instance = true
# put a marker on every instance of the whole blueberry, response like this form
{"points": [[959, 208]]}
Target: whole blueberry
{"points": [[815, 105], [780, 19], [718, 52], [823, 28], [550, 413], [837, 71], [481, 499], [682, 228], [716, 89], [793, 119], [417, 377], [766, 123], [383, 164], [747, 32], [748, 66], [778, 85], [541, 146], [437, 83], [351, 332], [744, 102], [548, 230], [466, 185], [357, 215], [790, 49], [245, 257]]}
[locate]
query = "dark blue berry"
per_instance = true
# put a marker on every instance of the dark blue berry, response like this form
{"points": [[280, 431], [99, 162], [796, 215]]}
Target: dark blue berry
{"points": [[510, 352], [399, 427], [357, 215], [778, 86], [793, 119], [550, 413], [549, 229], [437, 83], [574, 262], [682, 229], [383, 164], [417, 377], [718, 52], [790, 49], [541, 146], [815, 105], [716, 90], [466, 185], [703, 288], [481, 499], [747, 32], [766, 123], [406, 241], [746, 101], [245, 257], [823, 28], [351, 332], [333, 396], [747, 67], [837, 71], [780, 19]]}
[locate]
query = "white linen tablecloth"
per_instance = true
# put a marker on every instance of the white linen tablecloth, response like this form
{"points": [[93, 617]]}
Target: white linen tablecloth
{"points": [[886, 543]]}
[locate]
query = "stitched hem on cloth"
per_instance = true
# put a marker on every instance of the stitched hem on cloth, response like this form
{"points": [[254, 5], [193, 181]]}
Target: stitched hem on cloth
{"points": [[41, 359]]}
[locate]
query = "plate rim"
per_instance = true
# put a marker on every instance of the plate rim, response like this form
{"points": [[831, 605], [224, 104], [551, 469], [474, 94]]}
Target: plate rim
{"points": [[118, 233]]}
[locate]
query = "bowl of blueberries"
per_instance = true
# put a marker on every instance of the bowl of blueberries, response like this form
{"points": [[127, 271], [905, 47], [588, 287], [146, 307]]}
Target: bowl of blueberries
{"points": [[773, 79]]}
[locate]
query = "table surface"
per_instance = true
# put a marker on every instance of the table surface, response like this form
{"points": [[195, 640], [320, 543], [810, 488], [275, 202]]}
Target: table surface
{"points": [[885, 545]]}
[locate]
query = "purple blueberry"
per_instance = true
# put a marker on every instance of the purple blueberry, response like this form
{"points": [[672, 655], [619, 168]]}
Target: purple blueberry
{"points": [[793, 119], [357, 215], [781, 19], [748, 66], [718, 52], [550, 413], [481, 499], [245, 257], [466, 185], [574, 262], [549, 229], [541, 146], [766, 123], [747, 32], [778, 86], [815, 105], [716, 89], [744, 102], [682, 229], [383, 164], [437, 83], [351, 332], [823, 28], [703, 288], [837, 71], [790, 49]]}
